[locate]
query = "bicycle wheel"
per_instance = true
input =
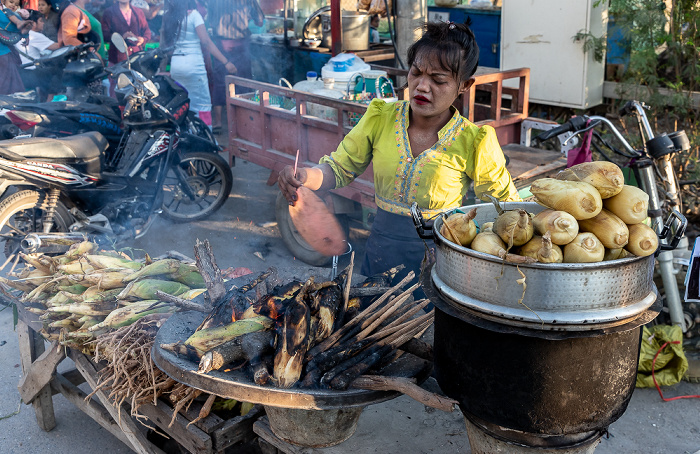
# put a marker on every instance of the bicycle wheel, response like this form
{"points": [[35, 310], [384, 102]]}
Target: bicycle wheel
{"points": [[208, 177], [22, 213]]}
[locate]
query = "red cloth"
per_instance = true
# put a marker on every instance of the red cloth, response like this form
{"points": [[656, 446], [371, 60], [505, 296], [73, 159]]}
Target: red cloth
{"points": [[582, 153], [113, 22]]}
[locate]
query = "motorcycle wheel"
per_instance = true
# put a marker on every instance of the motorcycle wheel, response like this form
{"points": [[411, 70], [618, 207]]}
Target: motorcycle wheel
{"points": [[209, 178], [23, 213]]}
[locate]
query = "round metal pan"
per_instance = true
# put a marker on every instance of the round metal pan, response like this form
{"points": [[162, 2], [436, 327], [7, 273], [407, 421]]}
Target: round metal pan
{"points": [[566, 294], [237, 385]]}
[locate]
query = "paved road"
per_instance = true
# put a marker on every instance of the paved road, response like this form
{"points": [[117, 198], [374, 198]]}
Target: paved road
{"points": [[244, 226]]}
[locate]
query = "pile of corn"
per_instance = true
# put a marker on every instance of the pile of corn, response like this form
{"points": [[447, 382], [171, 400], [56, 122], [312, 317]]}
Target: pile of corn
{"points": [[86, 292], [591, 216]]}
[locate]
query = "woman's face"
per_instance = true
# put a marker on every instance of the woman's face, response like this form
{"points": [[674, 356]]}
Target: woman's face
{"points": [[432, 89], [43, 7]]}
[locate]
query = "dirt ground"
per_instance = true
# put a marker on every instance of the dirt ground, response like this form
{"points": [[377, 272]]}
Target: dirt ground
{"points": [[244, 233]]}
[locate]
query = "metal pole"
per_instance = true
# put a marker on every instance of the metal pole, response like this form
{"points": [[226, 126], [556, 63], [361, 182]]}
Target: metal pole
{"points": [[336, 28], [410, 15]]}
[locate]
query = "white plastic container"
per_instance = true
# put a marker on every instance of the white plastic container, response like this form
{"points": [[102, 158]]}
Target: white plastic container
{"points": [[341, 78], [317, 86]]}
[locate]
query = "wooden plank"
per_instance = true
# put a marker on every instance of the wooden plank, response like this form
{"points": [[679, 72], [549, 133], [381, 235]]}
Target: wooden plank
{"points": [[191, 438], [208, 424], [237, 430], [617, 90], [31, 345], [91, 408], [40, 372], [74, 376], [136, 438], [541, 171]]}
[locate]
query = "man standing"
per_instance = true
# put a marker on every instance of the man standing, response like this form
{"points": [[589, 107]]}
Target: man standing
{"points": [[229, 20]]}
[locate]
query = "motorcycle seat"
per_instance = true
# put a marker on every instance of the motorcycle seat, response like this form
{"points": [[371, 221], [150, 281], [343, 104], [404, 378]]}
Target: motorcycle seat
{"points": [[80, 146], [83, 150]]}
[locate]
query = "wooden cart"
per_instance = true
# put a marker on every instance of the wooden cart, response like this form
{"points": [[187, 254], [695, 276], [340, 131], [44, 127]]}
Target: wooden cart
{"points": [[268, 124], [40, 381]]}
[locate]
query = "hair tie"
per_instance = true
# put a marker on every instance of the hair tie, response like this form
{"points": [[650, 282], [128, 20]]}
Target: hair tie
{"points": [[451, 25]]}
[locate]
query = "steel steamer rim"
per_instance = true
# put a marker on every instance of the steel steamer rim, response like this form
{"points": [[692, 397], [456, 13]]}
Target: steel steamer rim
{"points": [[567, 296]]}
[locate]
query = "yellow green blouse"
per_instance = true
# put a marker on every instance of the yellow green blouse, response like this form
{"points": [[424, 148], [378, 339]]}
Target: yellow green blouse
{"points": [[438, 178]]}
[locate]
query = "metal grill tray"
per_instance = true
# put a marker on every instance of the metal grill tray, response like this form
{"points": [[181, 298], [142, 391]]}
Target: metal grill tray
{"points": [[237, 385], [554, 294]]}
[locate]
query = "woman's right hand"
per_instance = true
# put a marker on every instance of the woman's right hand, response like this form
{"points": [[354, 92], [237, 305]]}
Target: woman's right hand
{"points": [[231, 68], [288, 182]]}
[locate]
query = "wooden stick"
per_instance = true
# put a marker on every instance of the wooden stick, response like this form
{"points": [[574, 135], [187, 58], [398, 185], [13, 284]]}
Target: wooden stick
{"points": [[382, 314], [338, 334], [183, 303], [348, 283], [368, 291], [398, 324], [406, 386], [419, 348], [206, 263]]}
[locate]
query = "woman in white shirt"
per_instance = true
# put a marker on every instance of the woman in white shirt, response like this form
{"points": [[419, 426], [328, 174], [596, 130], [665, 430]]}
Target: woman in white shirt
{"points": [[183, 27]]}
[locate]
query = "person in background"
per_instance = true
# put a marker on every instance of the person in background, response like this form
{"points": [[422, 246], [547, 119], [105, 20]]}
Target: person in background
{"points": [[10, 80], [183, 28], [74, 22], [51, 19], [38, 43], [229, 20], [422, 150], [31, 5], [374, 28], [130, 23]]}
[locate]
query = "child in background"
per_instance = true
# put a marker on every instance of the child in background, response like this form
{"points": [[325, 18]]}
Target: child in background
{"points": [[10, 8], [374, 28]]}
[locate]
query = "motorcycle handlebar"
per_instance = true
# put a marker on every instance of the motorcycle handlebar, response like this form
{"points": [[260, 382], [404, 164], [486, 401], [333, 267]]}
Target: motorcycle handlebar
{"points": [[573, 125]]}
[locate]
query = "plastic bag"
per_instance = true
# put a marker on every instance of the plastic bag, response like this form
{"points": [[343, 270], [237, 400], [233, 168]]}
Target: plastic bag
{"points": [[671, 363]]}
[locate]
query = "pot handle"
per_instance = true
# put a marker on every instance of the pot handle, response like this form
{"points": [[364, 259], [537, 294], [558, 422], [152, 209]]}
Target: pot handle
{"points": [[673, 231], [421, 225]]}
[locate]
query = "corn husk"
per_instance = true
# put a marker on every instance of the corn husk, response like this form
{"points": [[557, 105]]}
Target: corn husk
{"points": [[514, 227], [146, 289], [643, 240], [43, 263], [206, 339], [492, 244], [84, 247], [614, 254], [542, 249], [129, 314], [104, 279], [459, 227], [605, 176], [486, 227], [630, 205], [562, 226], [608, 228], [99, 261], [79, 266], [585, 248], [579, 199]]}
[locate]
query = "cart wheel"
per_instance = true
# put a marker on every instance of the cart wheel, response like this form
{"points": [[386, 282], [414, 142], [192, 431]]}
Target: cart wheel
{"points": [[294, 242]]}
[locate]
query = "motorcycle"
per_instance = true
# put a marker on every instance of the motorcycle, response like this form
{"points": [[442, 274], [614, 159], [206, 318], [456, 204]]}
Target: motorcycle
{"points": [[69, 187], [86, 110]]}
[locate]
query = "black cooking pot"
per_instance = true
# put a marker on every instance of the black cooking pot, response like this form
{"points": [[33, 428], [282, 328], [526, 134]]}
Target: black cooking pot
{"points": [[534, 387]]}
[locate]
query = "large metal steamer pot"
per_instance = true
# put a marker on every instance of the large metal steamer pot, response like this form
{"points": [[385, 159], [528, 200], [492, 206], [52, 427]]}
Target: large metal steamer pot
{"points": [[566, 296]]}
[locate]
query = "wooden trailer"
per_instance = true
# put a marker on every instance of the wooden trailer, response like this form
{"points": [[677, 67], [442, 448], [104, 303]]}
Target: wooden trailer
{"points": [[269, 123]]}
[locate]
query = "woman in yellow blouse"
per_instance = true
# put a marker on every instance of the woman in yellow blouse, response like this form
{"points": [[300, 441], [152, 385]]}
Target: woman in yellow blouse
{"points": [[422, 150]]}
